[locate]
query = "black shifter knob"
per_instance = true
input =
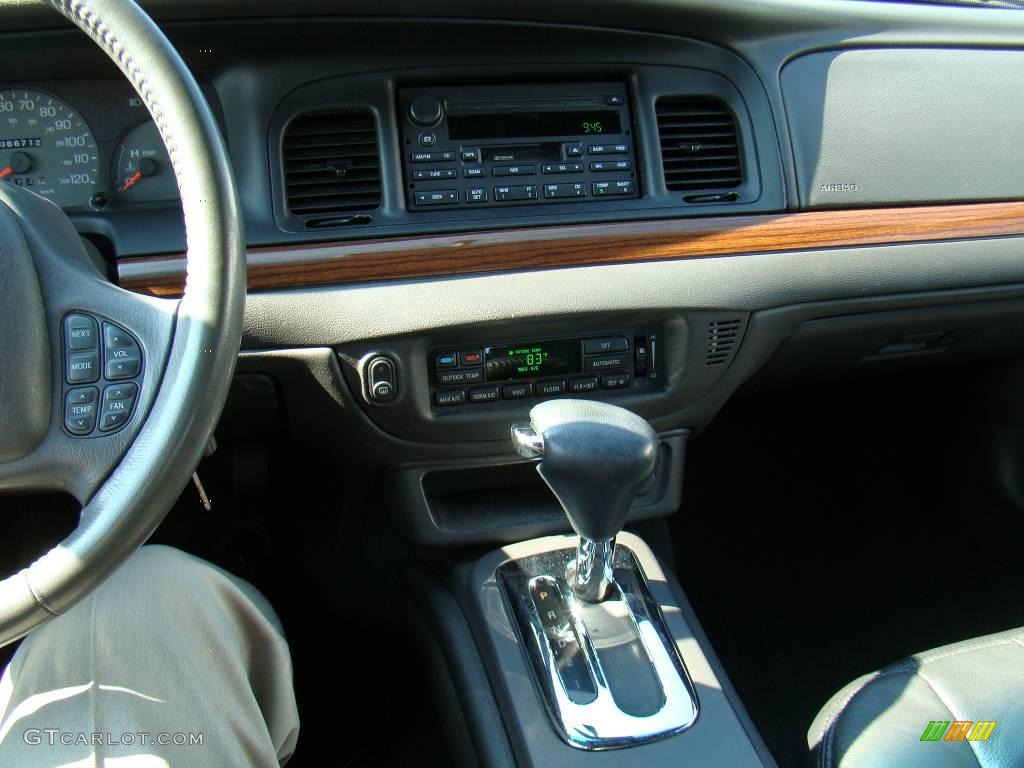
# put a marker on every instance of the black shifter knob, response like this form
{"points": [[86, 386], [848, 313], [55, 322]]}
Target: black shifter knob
{"points": [[594, 457]]}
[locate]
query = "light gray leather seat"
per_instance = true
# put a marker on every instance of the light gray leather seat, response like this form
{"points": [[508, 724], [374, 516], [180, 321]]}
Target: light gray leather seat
{"points": [[879, 720]]}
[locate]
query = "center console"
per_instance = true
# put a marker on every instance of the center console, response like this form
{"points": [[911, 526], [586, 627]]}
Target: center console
{"points": [[588, 643]]}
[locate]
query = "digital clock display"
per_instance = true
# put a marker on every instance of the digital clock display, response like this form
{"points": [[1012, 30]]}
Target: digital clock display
{"points": [[521, 125], [532, 361]]}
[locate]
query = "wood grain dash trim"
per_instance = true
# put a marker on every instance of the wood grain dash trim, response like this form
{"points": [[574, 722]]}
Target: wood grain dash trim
{"points": [[302, 265]]}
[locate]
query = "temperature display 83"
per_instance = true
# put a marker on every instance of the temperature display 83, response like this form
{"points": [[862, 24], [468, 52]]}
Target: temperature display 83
{"points": [[528, 361]]}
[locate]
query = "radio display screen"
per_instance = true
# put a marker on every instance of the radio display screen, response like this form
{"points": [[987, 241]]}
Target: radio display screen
{"points": [[516, 125], [532, 361]]}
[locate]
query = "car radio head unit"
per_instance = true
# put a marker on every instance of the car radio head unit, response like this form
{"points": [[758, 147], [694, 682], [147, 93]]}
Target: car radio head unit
{"points": [[501, 145]]}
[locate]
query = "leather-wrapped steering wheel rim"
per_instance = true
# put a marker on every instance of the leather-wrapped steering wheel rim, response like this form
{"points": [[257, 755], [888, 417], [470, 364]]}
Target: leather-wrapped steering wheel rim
{"points": [[194, 376]]}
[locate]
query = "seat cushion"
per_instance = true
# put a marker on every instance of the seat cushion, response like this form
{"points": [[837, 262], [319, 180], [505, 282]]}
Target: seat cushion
{"points": [[894, 718]]}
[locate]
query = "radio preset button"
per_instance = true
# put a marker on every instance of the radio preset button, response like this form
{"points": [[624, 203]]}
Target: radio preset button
{"points": [[476, 195], [583, 384], [483, 394], [528, 192], [607, 188], [554, 191], [517, 391], [562, 168], [513, 170], [450, 397], [611, 165], [437, 197], [435, 173], [608, 149]]}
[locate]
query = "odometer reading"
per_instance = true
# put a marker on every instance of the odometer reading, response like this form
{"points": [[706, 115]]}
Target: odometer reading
{"points": [[46, 146], [531, 361]]}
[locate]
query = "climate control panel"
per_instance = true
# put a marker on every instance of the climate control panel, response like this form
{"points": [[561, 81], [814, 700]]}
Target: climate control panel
{"points": [[478, 374]]}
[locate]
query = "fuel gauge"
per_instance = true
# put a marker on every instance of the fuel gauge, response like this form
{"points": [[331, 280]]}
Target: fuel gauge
{"points": [[142, 171]]}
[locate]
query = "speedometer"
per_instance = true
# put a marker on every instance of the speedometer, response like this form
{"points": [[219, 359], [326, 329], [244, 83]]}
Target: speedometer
{"points": [[45, 146]]}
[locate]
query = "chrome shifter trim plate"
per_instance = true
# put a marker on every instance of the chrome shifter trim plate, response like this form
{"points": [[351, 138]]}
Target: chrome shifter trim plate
{"points": [[585, 720]]}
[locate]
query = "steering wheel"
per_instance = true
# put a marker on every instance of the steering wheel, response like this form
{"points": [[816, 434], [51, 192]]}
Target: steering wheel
{"points": [[125, 471]]}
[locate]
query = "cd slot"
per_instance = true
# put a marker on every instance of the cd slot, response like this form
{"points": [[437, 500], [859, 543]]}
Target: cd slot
{"points": [[517, 153]]}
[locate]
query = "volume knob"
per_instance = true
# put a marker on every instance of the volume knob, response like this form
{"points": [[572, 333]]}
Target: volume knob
{"points": [[425, 110]]}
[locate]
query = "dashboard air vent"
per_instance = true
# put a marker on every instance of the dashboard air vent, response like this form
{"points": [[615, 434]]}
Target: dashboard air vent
{"points": [[722, 338], [699, 144], [331, 163]]}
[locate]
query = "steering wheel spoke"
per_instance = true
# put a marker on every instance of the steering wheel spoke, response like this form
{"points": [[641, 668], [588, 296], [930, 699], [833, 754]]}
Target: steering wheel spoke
{"points": [[107, 350]]}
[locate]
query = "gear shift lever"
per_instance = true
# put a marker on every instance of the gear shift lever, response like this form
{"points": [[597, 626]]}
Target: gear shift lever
{"points": [[594, 457]]}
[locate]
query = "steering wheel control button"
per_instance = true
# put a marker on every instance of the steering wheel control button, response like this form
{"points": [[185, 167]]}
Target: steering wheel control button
{"points": [[80, 410], [450, 397], [118, 400], [120, 392], [83, 367], [382, 379], [80, 332], [122, 358]]}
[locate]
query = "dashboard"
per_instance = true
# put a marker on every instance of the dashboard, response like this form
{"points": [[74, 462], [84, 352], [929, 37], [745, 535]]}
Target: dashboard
{"points": [[503, 188]]}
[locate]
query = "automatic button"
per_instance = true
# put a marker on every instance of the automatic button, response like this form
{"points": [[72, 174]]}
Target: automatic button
{"points": [[605, 363], [80, 332]]}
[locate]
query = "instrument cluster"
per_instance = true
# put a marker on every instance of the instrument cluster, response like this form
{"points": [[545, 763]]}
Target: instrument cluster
{"points": [[85, 145]]}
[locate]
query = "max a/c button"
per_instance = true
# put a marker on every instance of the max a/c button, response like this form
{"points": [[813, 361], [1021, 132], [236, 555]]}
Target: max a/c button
{"points": [[450, 397]]}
